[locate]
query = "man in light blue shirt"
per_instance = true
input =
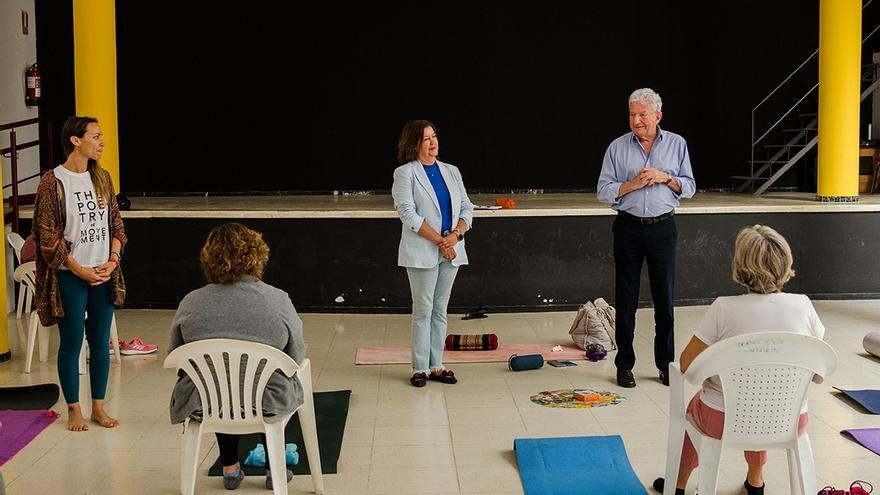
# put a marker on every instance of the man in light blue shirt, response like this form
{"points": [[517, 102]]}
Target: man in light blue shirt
{"points": [[644, 174]]}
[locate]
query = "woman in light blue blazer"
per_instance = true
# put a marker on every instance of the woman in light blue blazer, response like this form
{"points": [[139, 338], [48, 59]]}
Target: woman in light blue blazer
{"points": [[433, 206]]}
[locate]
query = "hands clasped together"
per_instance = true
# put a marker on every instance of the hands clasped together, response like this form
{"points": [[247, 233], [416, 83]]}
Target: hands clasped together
{"points": [[99, 274], [649, 176], [446, 245]]}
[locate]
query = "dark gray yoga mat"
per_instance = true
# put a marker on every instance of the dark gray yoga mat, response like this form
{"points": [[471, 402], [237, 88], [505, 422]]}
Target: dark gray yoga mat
{"points": [[331, 411], [42, 396]]}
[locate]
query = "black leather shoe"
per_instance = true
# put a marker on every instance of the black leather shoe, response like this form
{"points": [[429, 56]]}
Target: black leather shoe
{"points": [[625, 378], [664, 377]]}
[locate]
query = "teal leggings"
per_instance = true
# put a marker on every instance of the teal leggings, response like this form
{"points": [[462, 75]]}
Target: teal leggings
{"points": [[77, 297]]}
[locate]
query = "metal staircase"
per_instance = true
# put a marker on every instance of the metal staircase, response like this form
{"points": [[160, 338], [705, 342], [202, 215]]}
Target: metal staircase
{"points": [[789, 138]]}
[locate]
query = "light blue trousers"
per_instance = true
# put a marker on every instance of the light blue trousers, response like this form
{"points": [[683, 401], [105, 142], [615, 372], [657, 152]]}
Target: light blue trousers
{"points": [[430, 288]]}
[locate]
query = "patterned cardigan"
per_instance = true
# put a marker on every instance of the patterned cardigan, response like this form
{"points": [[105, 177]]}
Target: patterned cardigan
{"points": [[48, 230]]}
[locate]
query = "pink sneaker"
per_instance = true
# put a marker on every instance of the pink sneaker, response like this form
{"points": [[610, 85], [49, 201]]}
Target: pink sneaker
{"points": [[136, 346]]}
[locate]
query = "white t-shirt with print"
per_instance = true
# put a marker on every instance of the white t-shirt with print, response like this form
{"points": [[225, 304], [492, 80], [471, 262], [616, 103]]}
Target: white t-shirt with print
{"points": [[87, 226], [754, 313]]}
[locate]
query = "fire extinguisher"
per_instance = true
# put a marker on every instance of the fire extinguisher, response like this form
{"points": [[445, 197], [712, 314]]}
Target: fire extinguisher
{"points": [[32, 83]]}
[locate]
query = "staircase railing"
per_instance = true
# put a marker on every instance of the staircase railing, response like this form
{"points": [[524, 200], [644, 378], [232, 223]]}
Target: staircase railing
{"points": [[12, 152], [753, 175]]}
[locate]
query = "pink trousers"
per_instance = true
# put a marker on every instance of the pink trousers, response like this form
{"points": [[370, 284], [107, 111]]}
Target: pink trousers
{"points": [[711, 423]]}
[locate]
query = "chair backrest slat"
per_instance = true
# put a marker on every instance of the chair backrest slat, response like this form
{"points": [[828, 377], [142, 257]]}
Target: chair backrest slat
{"points": [[251, 387], [235, 387]]}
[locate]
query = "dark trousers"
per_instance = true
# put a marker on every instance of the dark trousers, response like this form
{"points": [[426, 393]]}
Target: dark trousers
{"points": [[228, 446], [633, 244]]}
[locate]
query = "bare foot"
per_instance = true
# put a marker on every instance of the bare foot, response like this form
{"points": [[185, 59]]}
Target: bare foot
{"points": [[104, 420], [75, 420]]}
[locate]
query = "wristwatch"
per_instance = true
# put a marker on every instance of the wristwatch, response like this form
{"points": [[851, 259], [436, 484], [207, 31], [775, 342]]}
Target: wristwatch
{"points": [[459, 234], [668, 178]]}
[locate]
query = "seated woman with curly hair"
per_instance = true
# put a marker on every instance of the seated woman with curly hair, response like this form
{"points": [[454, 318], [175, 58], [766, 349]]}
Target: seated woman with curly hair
{"points": [[236, 304]]}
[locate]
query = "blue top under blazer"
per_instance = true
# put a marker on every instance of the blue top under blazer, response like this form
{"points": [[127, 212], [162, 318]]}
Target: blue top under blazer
{"points": [[415, 201]]}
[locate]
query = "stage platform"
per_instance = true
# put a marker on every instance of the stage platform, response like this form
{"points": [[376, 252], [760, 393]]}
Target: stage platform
{"points": [[554, 251], [528, 205]]}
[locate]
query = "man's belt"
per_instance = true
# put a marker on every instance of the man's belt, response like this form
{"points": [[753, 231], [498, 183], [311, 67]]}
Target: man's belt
{"points": [[646, 220]]}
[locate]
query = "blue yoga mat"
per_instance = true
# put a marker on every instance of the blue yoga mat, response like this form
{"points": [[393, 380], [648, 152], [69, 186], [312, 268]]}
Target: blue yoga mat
{"points": [[869, 399], [575, 465]]}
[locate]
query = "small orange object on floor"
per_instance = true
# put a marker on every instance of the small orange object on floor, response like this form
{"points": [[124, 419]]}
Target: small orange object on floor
{"points": [[593, 397]]}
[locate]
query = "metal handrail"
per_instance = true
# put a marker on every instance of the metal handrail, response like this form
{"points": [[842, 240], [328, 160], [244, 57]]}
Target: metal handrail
{"points": [[20, 123], [13, 150], [753, 141]]}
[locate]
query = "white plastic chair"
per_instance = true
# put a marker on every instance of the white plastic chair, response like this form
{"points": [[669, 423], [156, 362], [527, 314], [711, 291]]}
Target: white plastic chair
{"points": [[17, 242], [764, 377], [201, 358], [36, 329]]}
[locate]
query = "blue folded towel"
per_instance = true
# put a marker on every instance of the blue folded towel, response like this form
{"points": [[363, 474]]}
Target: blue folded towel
{"points": [[257, 457]]}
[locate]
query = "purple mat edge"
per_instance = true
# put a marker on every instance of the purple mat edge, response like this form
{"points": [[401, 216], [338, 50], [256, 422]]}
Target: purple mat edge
{"points": [[41, 419], [870, 442]]}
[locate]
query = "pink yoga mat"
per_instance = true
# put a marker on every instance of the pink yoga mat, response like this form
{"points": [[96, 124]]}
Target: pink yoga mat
{"points": [[19, 428], [400, 354]]}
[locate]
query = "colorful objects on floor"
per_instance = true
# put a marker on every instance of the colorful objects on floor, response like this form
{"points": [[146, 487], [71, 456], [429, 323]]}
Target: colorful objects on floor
{"points": [[578, 398]]}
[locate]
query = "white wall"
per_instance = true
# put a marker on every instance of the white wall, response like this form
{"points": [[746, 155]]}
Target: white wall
{"points": [[17, 52]]}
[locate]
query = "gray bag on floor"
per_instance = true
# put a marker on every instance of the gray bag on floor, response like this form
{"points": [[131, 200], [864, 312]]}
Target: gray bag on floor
{"points": [[594, 324]]}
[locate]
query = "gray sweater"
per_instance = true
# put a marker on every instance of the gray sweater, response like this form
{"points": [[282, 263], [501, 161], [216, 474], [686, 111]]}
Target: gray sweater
{"points": [[247, 309]]}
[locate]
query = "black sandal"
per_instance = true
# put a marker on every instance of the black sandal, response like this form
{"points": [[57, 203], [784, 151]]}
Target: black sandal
{"points": [[445, 376], [419, 379]]}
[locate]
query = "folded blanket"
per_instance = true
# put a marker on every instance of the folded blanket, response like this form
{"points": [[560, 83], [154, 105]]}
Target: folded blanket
{"points": [[484, 342]]}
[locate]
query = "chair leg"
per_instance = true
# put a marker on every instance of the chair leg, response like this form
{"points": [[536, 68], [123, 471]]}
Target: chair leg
{"points": [[31, 339], [710, 462], [22, 290], [114, 339], [806, 469], [82, 357], [29, 301], [189, 456], [673, 454], [42, 338], [794, 469], [276, 457], [309, 427]]}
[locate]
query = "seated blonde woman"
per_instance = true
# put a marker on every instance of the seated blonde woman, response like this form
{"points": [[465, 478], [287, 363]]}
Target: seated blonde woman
{"points": [[762, 263], [236, 304]]}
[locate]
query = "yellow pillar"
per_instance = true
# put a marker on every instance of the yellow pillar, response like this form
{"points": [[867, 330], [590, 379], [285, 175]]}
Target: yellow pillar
{"points": [[94, 59], [840, 28], [5, 353]]}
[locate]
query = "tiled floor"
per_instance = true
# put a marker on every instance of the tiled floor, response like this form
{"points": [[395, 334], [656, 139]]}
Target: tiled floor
{"points": [[439, 439]]}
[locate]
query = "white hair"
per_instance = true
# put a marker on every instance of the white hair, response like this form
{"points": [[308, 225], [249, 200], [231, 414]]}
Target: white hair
{"points": [[648, 96]]}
